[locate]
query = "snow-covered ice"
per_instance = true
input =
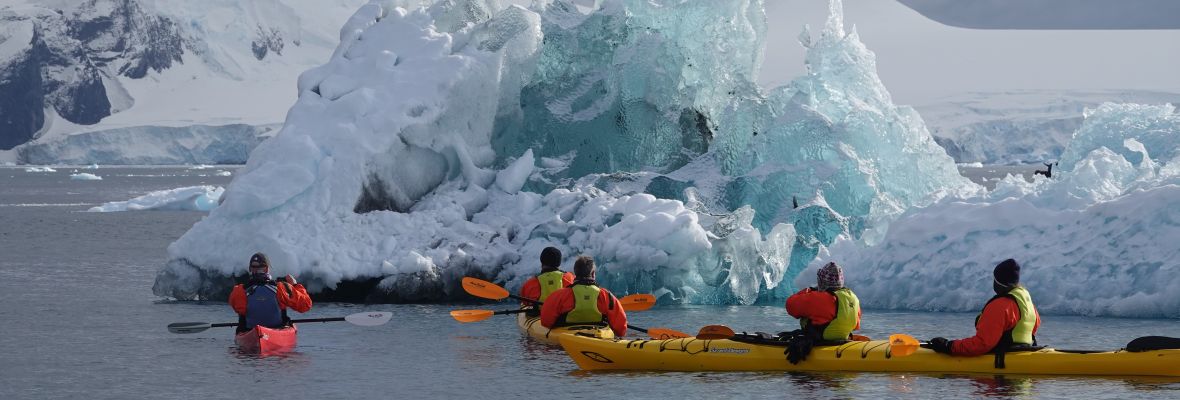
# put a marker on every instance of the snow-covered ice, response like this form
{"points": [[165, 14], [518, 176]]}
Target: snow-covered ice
{"points": [[1097, 239], [85, 176], [193, 198], [39, 169]]}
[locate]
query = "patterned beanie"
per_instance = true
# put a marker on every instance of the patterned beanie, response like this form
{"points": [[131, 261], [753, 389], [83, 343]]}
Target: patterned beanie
{"points": [[830, 277]]}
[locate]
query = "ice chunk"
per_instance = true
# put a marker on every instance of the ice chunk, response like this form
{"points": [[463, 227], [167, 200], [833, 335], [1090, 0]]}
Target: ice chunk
{"points": [[193, 198], [1096, 239], [39, 169], [85, 176], [1110, 124]]}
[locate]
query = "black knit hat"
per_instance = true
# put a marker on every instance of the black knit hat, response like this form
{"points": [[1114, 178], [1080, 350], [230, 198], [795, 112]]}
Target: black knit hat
{"points": [[1007, 272], [551, 257], [258, 261]]}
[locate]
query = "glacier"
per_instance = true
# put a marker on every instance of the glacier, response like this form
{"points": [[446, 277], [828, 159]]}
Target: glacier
{"points": [[1094, 240], [1019, 127], [461, 137]]}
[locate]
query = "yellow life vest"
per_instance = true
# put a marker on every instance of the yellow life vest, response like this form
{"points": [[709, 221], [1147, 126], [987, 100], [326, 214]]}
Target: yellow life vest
{"points": [[847, 315], [585, 305], [845, 321], [550, 282], [1022, 333]]}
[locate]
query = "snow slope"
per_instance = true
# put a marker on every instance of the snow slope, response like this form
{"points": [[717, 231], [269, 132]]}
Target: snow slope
{"points": [[215, 78]]}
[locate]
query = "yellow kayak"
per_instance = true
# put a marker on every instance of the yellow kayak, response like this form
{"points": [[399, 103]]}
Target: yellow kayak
{"points": [[532, 327], [691, 354]]}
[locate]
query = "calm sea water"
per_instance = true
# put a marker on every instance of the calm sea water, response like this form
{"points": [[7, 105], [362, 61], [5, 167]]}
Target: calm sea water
{"points": [[78, 320]]}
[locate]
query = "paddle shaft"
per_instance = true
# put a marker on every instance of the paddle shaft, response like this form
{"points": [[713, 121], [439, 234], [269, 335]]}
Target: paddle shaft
{"points": [[219, 325]]}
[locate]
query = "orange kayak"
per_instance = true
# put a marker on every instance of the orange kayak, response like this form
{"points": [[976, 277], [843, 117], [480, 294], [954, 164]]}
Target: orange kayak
{"points": [[263, 340]]}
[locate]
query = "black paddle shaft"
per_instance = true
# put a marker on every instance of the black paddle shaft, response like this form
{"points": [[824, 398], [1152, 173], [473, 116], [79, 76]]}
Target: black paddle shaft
{"points": [[300, 321]]}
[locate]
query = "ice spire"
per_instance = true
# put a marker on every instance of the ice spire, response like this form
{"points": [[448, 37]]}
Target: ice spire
{"points": [[835, 24]]}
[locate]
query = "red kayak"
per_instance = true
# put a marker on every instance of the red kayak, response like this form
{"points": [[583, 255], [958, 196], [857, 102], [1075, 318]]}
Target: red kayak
{"points": [[263, 340]]}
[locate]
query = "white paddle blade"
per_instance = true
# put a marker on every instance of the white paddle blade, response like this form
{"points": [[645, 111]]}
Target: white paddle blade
{"points": [[372, 318], [188, 327]]}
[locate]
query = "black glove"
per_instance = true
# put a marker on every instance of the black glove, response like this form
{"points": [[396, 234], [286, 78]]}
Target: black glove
{"points": [[941, 345], [798, 348]]}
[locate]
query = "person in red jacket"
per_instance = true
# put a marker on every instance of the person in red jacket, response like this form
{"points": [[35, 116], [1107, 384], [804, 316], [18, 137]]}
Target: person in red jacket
{"points": [[584, 302], [830, 311], [551, 278], [1009, 319], [263, 301]]}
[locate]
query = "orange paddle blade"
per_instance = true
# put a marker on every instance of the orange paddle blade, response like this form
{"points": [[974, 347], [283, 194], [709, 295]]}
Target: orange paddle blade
{"points": [[901, 345], [471, 315], [485, 289], [713, 332], [638, 302], [665, 333]]}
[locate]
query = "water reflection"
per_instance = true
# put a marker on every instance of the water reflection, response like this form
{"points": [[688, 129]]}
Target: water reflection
{"points": [[823, 385], [1001, 386]]}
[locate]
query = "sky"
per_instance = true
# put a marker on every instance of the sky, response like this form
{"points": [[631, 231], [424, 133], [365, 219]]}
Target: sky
{"points": [[921, 60]]}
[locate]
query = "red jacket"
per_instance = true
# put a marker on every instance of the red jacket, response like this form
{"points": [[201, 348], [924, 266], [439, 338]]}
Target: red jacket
{"points": [[298, 300], [532, 287], [562, 301], [817, 306], [999, 316]]}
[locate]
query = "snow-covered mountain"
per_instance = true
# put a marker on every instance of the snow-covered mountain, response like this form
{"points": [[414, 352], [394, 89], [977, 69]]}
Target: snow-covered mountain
{"points": [[96, 80], [1019, 126]]}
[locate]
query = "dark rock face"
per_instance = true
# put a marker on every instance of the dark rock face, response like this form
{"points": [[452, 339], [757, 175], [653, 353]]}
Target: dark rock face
{"points": [[267, 40], [21, 97], [70, 53]]}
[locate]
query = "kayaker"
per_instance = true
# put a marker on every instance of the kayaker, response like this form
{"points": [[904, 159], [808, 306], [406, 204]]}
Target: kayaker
{"points": [[584, 302], [829, 312], [1009, 320], [551, 278], [263, 301]]}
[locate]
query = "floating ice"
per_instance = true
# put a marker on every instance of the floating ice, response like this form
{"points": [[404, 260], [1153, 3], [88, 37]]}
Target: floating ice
{"points": [[223, 173], [1097, 239], [85, 176], [39, 169], [193, 198], [411, 157]]}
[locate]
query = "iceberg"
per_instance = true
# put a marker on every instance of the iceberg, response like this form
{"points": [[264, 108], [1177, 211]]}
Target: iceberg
{"points": [[85, 176], [39, 169], [193, 198], [1097, 239], [461, 137]]}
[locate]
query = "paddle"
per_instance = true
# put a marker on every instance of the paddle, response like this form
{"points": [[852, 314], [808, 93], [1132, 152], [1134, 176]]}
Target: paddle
{"points": [[714, 332], [635, 302], [901, 345], [480, 315], [372, 318]]}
